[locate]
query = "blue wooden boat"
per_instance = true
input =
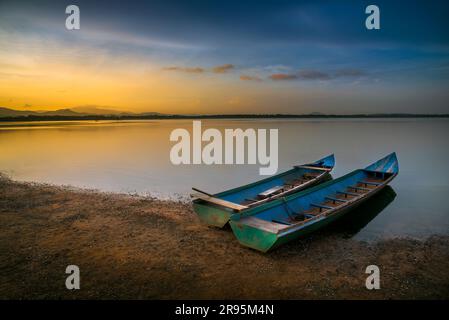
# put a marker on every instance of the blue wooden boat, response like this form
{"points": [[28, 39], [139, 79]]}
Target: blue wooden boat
{"points": [[272, 224], [216, 209]]}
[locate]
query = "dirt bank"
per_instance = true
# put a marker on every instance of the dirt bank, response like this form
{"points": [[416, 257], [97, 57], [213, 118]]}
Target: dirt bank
{"points": [[130, 247]]}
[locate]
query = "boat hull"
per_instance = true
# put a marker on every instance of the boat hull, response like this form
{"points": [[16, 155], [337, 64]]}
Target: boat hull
{"points": [[265, 241], [274, 224], [213, 216], [212, 210]]}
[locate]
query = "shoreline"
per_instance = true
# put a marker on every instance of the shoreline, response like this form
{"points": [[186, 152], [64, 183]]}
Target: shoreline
{"points": [[135, 247], [93, 117]]}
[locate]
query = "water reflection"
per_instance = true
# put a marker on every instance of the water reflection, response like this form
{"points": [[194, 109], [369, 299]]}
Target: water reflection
{"points": [[358, 218], [133, 156]]}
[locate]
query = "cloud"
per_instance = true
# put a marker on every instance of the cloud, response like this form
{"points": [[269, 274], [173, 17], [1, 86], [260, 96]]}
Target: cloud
{"points": [[313, 75], [245, 77], [218, 69], [224, 68], [279, 68], [283, 76], [185, 69], [350, 73], [310, 74], [321, 75]]}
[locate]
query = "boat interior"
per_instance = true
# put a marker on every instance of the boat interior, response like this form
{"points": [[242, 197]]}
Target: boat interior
{"points": [[300, 210], [293, 179], [273, 187]]}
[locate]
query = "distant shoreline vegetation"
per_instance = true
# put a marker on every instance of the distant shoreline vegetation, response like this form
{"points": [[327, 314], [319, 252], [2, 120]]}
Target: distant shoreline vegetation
{"points": [[216, 116]]}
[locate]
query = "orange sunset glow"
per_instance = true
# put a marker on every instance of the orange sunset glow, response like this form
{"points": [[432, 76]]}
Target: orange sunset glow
{"points": [[145, 60]]}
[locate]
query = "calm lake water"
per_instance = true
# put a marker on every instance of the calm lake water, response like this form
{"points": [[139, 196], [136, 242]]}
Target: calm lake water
{"points": [[133, 156]]}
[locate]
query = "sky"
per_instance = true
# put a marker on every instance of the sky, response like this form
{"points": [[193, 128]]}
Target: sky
{"points": [[224, 57]]}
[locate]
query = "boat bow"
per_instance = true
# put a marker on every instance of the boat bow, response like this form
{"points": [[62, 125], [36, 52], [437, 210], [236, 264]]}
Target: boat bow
{"points": [[388, 164]]}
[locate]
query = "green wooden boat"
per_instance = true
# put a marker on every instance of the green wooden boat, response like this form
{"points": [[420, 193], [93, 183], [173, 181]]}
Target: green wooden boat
{"points": [[216, 209], [275, 223]]}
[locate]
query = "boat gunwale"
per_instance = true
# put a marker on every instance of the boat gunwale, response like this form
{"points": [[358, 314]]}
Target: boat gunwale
{"points": [[269, 205], [295, 168], [248, 206], [335, 210], [277, 196], [287, 192]]}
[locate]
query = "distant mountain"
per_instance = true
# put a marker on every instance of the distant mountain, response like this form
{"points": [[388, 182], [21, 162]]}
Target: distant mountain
{"points": [[76, 111], [6, 112], [153, 114], [96, 113], [60, 112], [98, 110]]}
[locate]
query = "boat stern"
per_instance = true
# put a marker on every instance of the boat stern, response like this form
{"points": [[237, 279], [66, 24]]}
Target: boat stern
{"points": [[210, 215], [253, 237]]}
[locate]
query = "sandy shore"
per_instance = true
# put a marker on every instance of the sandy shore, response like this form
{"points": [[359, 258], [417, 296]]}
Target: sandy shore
{"points": [[132, 248]]}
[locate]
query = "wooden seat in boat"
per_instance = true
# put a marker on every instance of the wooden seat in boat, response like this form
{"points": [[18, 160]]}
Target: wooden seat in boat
{"points": [[367, 183], [347, 193], [270, 192], [334, 200], [359, 188], [320, 206], [269, 226]]}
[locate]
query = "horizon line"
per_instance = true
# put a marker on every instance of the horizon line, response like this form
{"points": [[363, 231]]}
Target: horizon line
{"points": [[215, 116]]}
